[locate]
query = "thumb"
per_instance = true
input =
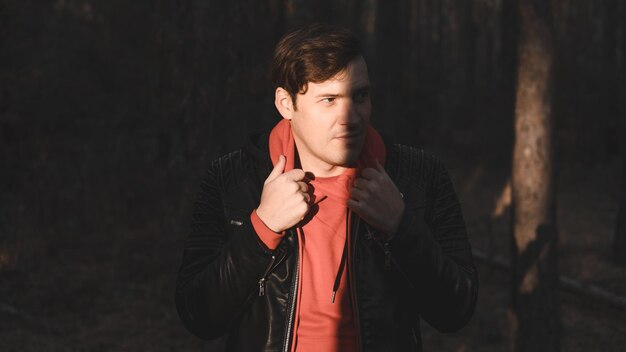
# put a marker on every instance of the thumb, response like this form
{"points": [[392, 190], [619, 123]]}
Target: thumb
{"points": [[278, 169], [380, 168]]}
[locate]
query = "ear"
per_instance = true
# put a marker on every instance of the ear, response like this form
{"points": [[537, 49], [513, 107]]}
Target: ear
{"points": [[283, 103]]}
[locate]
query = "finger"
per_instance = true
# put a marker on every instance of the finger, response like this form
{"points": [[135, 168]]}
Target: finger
{"points": [[307, 197], [380, 168], [360, 183], [278, 169], [359, 195], [295, 174], [303, 186], [354, 205], [370, 174], [357, 207], [363, 211]]}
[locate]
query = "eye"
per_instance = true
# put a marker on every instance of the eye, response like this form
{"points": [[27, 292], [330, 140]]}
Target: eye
{"points": [[329, 100], [361, 96]]}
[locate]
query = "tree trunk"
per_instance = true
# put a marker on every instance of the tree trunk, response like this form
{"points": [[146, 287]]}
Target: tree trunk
{"points": [[618, 94], [392, 43], [534, 314], [619, 242]]}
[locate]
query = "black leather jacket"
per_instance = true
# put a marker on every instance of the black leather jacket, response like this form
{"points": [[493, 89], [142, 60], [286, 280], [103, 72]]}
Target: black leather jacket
{"points": [[425, 270]]}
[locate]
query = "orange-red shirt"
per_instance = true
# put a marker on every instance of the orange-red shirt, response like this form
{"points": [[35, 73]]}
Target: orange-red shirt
{"points": [[320, 324]]}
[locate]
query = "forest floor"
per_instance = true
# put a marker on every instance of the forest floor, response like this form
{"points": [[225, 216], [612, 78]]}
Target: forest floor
{"points": [[66, 286]]}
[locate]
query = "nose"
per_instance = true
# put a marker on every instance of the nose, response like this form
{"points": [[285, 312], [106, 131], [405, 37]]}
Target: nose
{"points": [[349, 113]]}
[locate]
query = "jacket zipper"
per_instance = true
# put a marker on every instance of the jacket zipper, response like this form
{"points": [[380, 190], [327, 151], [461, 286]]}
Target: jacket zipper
{"points": [[384, 245], [353, 284], [389, 259], [292, 308], [264, 276], [272, 265]]}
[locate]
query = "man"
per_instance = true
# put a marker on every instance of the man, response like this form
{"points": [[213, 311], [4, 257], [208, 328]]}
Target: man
{"points": [[303, 241]]}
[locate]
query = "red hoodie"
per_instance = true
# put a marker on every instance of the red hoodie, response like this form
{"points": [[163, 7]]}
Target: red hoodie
{"points": [[324, 319]]}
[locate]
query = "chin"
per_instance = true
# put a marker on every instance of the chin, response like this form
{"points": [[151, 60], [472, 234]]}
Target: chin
{"points": [[348, 159]]}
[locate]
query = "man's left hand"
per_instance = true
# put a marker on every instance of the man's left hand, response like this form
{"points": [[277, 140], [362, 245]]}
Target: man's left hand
{"points": [[376, 199]]}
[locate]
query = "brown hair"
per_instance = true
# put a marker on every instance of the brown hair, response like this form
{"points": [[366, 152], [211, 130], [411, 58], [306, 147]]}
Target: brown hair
{"points": [[313, 53]]}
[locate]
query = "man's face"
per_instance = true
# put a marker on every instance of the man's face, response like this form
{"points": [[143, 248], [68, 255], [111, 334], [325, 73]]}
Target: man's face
{"points": [[331, 120]]}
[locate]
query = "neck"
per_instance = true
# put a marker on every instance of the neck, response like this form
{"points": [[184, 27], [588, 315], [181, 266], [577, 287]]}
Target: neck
{"points": [[318, 168], [324, 170]]}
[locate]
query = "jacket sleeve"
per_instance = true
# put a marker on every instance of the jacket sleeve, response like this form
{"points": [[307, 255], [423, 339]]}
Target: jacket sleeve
{"points": [[222, 263], [435, 254]]}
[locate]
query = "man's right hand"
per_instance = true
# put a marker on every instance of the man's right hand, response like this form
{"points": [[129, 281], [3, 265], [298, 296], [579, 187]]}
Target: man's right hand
{"points": [[285, 198]]}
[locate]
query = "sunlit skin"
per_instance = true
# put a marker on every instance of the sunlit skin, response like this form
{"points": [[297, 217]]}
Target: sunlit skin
{"points": [[329, 123]]}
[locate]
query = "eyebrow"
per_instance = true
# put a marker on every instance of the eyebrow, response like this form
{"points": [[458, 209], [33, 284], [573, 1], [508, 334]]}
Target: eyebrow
{"points": [[328, 95], [363, 88]]}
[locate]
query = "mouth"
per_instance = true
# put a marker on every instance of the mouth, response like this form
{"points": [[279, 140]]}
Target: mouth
{"points": [[349, 137]]}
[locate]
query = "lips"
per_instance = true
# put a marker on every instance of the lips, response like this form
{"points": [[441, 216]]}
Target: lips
{"points": [[349, 136]]}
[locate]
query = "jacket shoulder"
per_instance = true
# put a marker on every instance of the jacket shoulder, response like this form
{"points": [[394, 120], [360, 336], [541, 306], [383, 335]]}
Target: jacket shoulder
{"points": [[414, 166], [233, 169]]}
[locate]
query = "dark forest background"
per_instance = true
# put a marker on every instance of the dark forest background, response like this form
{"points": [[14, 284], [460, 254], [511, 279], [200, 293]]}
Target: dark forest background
{"points": [[111, 110]]}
